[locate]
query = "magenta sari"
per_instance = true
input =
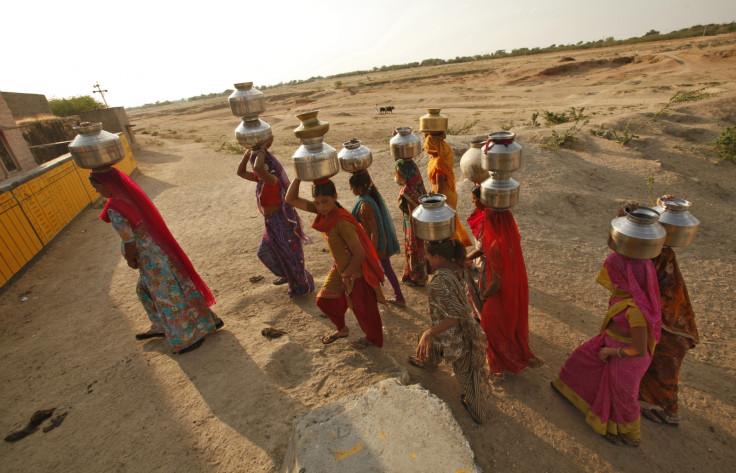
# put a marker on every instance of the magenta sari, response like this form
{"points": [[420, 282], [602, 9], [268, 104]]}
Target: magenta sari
{"points": [[607, 392]]}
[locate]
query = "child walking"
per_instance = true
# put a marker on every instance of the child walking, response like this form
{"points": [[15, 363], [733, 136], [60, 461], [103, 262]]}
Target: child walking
{"points": [[455, 335], [355, 278]]}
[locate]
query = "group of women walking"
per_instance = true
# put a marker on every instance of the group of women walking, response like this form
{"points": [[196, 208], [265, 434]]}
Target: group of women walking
{"points": [[478, 301], [631, 368]]}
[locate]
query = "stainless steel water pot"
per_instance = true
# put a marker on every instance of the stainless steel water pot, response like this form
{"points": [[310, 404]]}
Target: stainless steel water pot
{"points": [[94, 147], [354, 156], [638, 235], [433, 219]]}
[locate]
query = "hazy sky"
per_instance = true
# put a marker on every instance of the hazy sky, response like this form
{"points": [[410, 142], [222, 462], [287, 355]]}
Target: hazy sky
{"points": [[144, 51]]}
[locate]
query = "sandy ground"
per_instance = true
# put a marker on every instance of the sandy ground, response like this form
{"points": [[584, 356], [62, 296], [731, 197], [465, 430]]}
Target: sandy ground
{"points": [[68, 323]]}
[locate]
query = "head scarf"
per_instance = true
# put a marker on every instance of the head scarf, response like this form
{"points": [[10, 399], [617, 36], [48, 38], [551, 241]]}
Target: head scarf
{"points": [[502, 246], [274, 167], [442, 160], [476, 222], [413, 186], [638, 278], [133, 204], [371, 266], [387, 240]]}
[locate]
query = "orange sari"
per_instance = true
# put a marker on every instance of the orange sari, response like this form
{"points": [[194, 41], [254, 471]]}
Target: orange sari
{"points": [[442, 162]]}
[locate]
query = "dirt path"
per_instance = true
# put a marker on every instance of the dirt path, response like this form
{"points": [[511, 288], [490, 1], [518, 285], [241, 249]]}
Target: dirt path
{"points": [[69, 321]]}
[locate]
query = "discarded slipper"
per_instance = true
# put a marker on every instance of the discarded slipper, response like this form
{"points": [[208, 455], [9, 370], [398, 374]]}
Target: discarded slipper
{"points": [[191, 347], [271, 332], [360, 344], [55, 422], [36, 419], [255, 278], [279, 281], [149, 334], [327, 339]]}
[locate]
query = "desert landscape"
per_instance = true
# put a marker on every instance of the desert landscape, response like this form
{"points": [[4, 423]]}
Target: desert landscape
{"points": [[68, 322]]}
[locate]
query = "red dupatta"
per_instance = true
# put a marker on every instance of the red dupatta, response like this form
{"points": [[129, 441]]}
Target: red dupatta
{"points": [[476, 222], [133, 204], [371, 266]]}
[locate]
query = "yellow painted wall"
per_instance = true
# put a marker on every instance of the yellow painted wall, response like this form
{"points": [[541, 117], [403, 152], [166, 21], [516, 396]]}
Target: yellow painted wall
{"points": [[34, 212]]}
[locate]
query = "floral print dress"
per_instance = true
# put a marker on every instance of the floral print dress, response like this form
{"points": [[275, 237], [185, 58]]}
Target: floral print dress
{"points": [[172, 301]]}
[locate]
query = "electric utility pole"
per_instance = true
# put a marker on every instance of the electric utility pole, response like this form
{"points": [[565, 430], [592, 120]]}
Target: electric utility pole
{"points": [[101, 92]]}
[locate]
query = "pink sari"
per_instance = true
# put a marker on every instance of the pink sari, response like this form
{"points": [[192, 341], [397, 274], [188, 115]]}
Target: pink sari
{"points": [[607, 392]]}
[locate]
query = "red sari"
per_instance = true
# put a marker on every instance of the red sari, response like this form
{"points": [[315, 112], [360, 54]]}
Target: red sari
{"points": [[505, 317], [366, 288]]}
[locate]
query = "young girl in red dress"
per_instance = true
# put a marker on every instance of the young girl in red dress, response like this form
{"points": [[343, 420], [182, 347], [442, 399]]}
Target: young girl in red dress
{"points": [[355, 278]]}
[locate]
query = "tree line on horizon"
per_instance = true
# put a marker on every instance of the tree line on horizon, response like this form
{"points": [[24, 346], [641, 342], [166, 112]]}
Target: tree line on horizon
{"points": [[651, 35]]}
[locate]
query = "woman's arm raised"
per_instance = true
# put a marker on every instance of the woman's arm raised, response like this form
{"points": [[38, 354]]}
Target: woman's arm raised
{"points": [[292, 197]]}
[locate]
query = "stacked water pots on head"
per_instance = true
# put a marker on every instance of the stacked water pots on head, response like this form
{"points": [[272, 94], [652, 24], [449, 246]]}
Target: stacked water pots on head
{"points": [[433, 219], [501, 155], [314, 159], [247, 103], [95, 148]]}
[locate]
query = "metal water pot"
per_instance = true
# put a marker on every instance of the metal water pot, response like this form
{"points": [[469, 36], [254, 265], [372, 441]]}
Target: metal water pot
{"points": [[470, 162], [252, 133], [354, 156], [94, 147], [315, 160], [405, 144], [501, 152], [311, 126], [433, 219], [433, 121], [680, 224], [247, 102], [500, 191], [637, 235]]}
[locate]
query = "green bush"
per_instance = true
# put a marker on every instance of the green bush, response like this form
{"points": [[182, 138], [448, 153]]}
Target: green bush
{"points": [[725, 144], [74, 105]]}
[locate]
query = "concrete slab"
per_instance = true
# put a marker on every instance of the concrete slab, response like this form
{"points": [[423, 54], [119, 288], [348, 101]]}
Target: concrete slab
{"points": [[387, 428]]}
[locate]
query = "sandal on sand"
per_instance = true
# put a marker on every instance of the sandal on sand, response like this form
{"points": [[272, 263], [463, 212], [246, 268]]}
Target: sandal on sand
{"points": [[400, 303], [327, 339], [279, 281], [149, 334], [191, 347], [411, 283], [219, 324], [414, 361], [614, 439], [629, 442], [360, 344], [660, 417], [536, 363]]}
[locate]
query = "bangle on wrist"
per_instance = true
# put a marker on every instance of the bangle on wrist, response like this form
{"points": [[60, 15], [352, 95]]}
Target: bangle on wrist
{"points": [[619, 352]]}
